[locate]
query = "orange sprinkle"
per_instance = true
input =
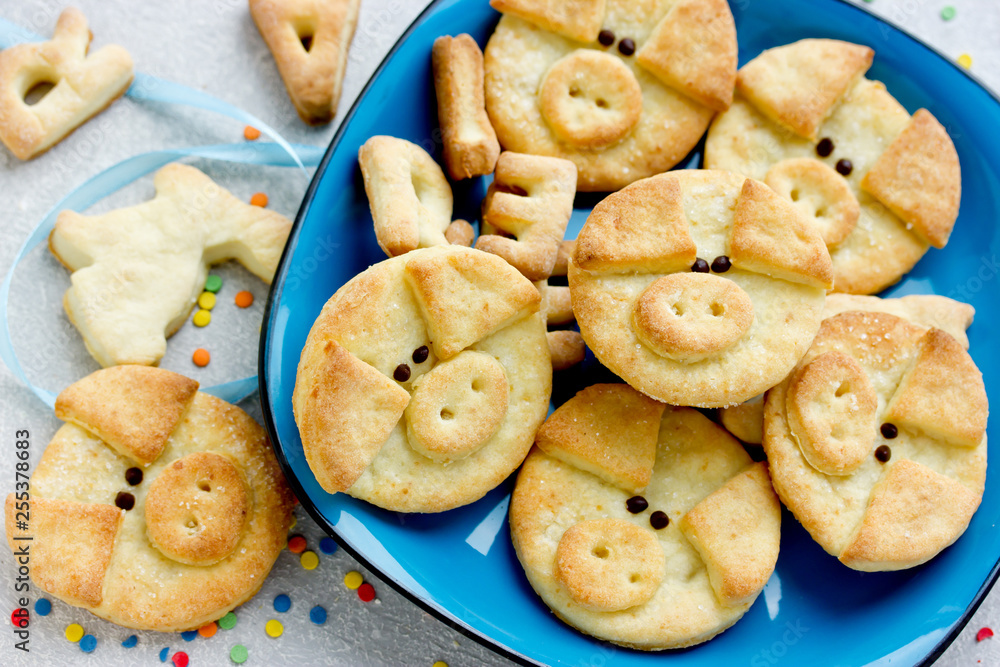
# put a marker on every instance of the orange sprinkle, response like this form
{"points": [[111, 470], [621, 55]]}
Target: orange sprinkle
{"points": [[209, 630], [250, 133], [201, 357], [297, 544], [259, 199], [244, 299]]}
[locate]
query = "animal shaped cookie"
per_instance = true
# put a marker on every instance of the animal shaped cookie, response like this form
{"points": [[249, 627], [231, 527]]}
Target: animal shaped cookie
{"points": [[423, 380], [881, 185], [155, 506], [137, 271], [643, 524], [623, 89], [309, 40], [82, 85], [877, 440], [698, 288]]}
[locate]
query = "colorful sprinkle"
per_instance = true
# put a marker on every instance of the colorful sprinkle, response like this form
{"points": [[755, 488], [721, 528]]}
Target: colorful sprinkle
{"points": [[202, 318], [984, 633], [43, 607], [209, 630], [213, 283], [251, 133], [207, 300], [440, 663], [228, 622], [19, 618], [294, 520], [238, 654], [282, 603], [74, 632], [947, 13], [317, 615], [297, 544], [88, 643], [244, 299], [163, 653], [189, 636], [130, 642], [353, 579], [965, 60], [274, 628], [366, 592], [328, 545], [180, 659], [201, 357], [258, 199], [309, 560]]}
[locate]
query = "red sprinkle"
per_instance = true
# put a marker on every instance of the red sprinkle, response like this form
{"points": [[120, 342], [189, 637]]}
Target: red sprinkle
{"points": [[296, 544], [984, 633], [19, 618], [366, 592], [180, 659]]}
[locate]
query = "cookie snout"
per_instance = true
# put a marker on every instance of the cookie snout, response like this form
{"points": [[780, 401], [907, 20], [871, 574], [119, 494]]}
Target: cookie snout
{"points": [[590, 99], [609, 564], [691, 316], [196, 509]]}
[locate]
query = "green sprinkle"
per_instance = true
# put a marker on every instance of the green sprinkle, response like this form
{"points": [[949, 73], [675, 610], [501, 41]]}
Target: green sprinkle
{"points": [[228, 622], [213, 284], [238, 654], [948, 13]]}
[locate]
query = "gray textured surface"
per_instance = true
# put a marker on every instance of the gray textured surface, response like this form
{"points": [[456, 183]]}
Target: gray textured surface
{"points": [[215, 47]]}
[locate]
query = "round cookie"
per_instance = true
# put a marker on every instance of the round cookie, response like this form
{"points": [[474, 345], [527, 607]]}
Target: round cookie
{"points": [[423, 380], [877, 440], [881, 185], [656, 313], [623, 89], [643, 524], [156, 507]]}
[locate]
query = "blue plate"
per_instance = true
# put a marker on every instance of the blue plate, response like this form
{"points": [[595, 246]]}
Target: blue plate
{"points": [[461, 565]]}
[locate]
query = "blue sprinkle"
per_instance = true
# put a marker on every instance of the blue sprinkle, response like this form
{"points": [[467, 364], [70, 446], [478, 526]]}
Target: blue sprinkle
{"points": [[43, 607], [327, 545], [189, 636], [282, 603], [164, 653], [317, 615], [131, 641], [88, 643]]}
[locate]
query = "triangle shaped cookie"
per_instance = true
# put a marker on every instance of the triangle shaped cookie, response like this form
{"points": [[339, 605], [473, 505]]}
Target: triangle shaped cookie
{"points": [[309, 41], [577, 19], [134, 409]]}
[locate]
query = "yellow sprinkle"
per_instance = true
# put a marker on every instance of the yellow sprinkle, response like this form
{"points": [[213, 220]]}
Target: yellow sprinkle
{"points": [[965, 60], [274, 628], [74, 632], [294, 521], [309, 560], [353, 579], [202, 318], [440, 663], [206, 300]]}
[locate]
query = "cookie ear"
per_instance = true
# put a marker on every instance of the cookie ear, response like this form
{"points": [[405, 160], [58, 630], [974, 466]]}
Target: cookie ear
{"points": [[576, 19], [693, 50], [82, 85], [464, 299], [609, 430], [309, 42], [134, 409], [70, 544], [798, 85], [919, 179], [771, 236], [929, 310], [641, 228]]}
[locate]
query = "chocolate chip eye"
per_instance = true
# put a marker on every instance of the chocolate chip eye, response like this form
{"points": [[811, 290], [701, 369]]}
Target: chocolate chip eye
{"points": [[606, 38], [402, 373], [636, 504], [133, 476], [889, 431], [700, 266], [844, 167], [721, 264], [659, 520], [883, 453], [420, 354], [125, 500], [825, 147], [626, 46]]}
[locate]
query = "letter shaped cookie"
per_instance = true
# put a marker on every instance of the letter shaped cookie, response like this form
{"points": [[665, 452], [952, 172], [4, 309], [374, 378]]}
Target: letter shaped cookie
{"points": [[309, 40], [155, 507], [643, 524], [423, 380], [880, 185], [137, 271], [877, 440], [82, 85]]}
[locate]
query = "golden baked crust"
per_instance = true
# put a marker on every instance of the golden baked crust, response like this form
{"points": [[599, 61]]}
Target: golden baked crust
{"points": [[82, 85], [427, 327], [576, 19], [569, 524], [309, 40], [638, 328], [566, 347], [820, 193], [94, 555], [913, 494]]}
